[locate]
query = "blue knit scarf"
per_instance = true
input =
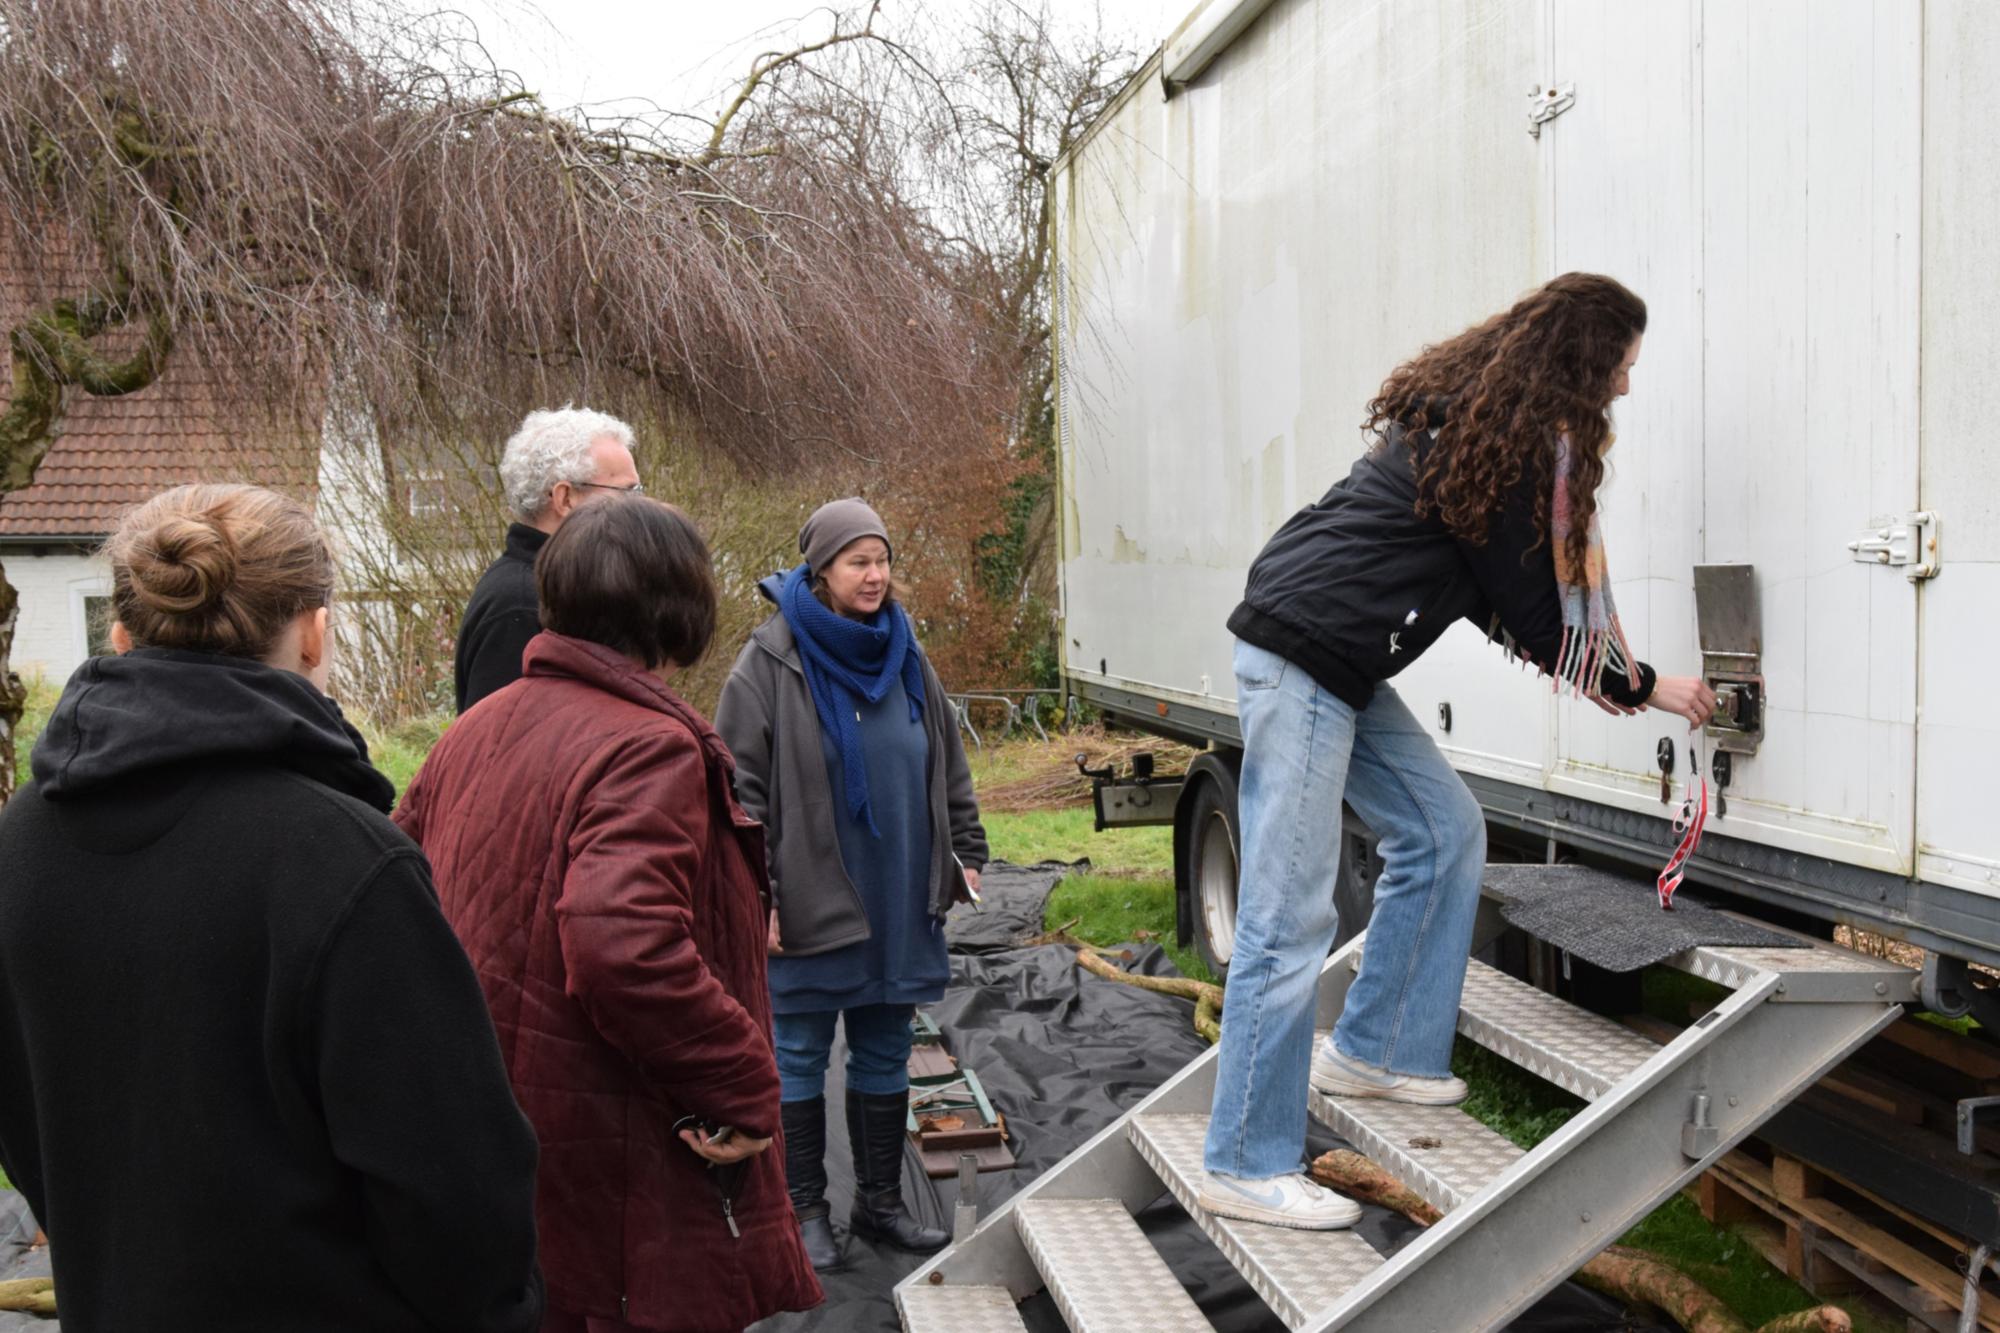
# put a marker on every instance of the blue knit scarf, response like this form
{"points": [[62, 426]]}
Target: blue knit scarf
{"points": [[847, 662]]}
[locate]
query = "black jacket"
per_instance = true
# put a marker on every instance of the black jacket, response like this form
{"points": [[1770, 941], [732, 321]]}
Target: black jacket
{"points": [[502, 615], [249, 1078], [1356, 587]]}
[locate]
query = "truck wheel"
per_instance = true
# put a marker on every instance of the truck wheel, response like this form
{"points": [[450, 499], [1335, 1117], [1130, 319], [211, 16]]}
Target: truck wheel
{"points": [[1354, 884], [1211, 869]]}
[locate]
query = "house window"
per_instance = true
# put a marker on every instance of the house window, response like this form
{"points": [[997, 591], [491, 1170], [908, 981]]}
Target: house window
{"points": [[97, 624], [427, 497], [90, 618]]}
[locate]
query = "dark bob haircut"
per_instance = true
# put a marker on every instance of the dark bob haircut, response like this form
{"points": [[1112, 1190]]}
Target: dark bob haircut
{"points": [[632, 574]]}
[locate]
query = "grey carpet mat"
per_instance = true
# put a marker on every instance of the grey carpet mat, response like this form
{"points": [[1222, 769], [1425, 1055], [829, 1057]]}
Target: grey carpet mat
{"points": [[1612, 920]]}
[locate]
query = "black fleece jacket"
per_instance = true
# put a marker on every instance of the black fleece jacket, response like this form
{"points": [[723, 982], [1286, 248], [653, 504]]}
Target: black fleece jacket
{"points": [[503, 613], [247, 1077], [1355, 588]]}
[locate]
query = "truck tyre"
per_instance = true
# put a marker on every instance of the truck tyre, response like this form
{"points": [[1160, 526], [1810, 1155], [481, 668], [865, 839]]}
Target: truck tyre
{"points": [[1210, 870], [1354, 883]]}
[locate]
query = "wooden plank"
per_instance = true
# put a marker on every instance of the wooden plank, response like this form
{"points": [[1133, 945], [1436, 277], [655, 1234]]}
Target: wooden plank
{"points": [[1912, 1264], [1947, 1048], [1894, 1100], [1795, 1180], [1758, 1184], [1923, 1224], [1819, 1274], [1720, 1204]]}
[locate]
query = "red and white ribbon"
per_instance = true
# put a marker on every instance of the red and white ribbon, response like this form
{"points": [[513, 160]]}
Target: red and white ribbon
{"points": [[1689, 823]]}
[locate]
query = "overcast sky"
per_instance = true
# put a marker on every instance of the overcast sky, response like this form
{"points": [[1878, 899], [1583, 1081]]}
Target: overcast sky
{"points": [[682, 54]]}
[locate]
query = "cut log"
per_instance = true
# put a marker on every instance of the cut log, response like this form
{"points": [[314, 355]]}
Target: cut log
{"points": [[1627, 1275], [31, 1295]]}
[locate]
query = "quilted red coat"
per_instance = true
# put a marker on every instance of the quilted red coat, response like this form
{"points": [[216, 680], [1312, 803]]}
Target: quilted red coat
{"points": [[610, 891]]}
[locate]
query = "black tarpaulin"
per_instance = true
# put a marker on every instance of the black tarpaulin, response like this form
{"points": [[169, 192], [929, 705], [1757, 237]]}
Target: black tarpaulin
{"points": [[1011, 915]]}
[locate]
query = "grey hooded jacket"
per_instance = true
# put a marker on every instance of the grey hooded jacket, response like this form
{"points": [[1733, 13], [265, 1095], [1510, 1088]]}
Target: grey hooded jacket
{"points": [[766, 716]]}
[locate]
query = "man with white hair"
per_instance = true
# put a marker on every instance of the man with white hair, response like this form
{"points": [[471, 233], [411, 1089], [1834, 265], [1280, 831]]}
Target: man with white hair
{"points": [[555, 462]]}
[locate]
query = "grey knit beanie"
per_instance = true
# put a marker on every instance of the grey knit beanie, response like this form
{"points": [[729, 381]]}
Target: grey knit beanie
{"points": [[834, 526]]}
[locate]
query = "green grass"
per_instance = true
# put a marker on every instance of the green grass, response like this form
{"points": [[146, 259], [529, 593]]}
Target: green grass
{"points": [[1065, 835], [1128, 895], [1508, 1099], [42, 696], [1109, 910], [399, 751]]}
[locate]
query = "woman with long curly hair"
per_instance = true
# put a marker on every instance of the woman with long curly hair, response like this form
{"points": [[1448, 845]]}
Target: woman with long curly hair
{"points": [[1478, 501]]}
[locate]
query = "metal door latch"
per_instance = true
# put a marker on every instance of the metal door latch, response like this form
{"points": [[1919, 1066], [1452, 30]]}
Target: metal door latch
{"points": [[1906, 541], [1546, 102]]}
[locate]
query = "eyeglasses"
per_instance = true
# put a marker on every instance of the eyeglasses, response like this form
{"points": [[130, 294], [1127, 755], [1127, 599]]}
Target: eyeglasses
{"points": [[636, 488]]}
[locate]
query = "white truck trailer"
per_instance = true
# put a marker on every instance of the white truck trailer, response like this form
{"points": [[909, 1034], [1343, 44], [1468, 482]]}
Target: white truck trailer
{"points": [[1804, 506], [1804, 503]]}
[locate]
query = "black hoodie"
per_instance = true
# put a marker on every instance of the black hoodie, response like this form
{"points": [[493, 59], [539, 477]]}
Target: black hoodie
{"points": [[247, 1077]]}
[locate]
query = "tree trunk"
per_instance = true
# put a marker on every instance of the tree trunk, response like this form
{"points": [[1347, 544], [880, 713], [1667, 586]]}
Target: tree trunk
{"points": [[13, 695], [50, 350], [1632, 1276]]}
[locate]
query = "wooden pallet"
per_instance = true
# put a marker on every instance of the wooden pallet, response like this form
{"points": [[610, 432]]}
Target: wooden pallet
{"points": [[1829, 1235], [1834, 1239]]}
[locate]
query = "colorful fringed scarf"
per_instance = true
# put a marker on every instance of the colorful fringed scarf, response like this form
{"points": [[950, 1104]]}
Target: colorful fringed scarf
{"points": [[1592, 637]]}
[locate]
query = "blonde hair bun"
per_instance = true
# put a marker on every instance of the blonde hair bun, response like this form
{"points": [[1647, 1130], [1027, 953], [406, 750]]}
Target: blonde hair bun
{"points": [[183, 566], [217, 569]]}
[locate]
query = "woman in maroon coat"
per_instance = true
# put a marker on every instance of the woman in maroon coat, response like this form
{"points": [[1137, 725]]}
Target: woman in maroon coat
{"points": [[611, 894]]}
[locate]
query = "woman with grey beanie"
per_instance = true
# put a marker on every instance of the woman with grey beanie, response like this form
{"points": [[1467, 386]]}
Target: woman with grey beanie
{"points": [[848, 751]]}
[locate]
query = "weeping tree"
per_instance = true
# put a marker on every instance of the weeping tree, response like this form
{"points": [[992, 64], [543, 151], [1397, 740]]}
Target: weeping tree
{"points": [[356, 218], [971, 112]]}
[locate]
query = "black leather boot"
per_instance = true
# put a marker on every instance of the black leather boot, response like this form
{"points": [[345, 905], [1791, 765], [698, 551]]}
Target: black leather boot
{"points": [[877, 1125], [805, 1180]]}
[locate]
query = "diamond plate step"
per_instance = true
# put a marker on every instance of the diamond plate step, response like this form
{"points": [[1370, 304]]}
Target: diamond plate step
{"points": [[958, 1310], [1104, 1274], [1298, 1273], [1439, 1151], [1570, 1047]]}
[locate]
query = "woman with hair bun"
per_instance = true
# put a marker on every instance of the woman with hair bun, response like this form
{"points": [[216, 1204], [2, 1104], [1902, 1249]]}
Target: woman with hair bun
{"points": [[250, 1081]]}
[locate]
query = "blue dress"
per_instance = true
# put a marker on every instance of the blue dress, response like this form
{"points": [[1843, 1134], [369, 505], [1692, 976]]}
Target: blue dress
{"points": [[903, 960]]}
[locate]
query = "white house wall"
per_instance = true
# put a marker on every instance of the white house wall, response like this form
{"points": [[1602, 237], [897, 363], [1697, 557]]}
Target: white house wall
{"points": [[51, 636]]}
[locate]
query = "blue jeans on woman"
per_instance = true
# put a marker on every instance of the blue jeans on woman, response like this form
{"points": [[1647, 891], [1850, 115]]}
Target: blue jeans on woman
{"points": [[878, 1050], [1303, 751]]}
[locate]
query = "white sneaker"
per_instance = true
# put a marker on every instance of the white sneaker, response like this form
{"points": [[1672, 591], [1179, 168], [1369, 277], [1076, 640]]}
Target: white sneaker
{"points": [[1281, 1201], [1338, 1076]]}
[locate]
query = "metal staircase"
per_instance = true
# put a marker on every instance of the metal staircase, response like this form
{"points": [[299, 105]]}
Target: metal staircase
{"points": [[1516, 1223]]}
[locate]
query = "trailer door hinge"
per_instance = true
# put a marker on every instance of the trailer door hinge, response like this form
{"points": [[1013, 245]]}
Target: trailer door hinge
{"points": [[1906, 541], [1545, 103]]}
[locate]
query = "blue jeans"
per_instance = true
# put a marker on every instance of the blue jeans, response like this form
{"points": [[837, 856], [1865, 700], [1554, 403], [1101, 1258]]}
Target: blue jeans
{"points": [[878, 1050], [1303, 749]]}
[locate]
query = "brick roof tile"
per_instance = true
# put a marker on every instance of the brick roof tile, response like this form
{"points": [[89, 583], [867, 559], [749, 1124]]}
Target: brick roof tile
{"points": [[110, 453]]}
